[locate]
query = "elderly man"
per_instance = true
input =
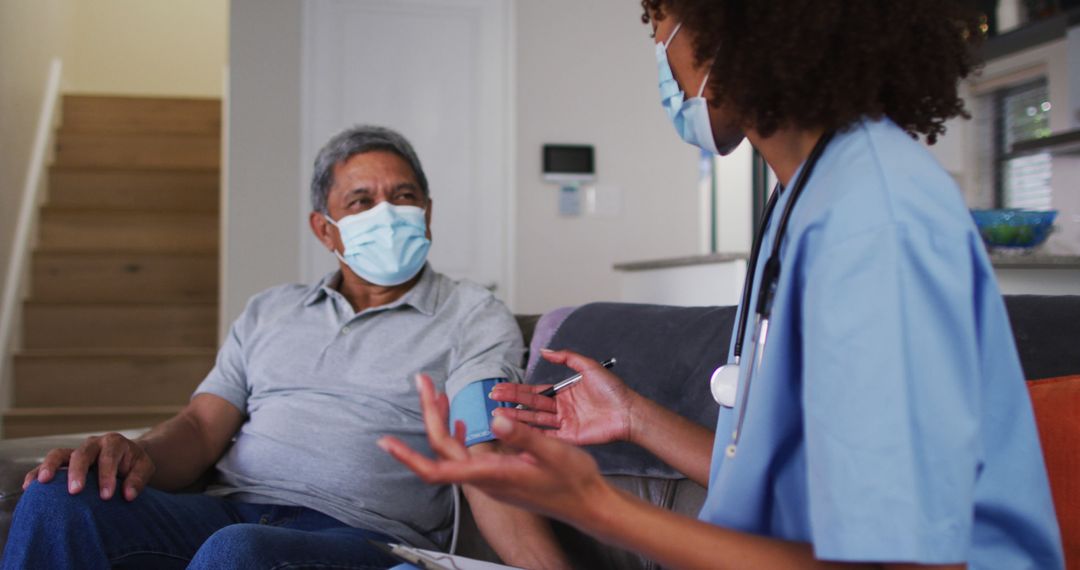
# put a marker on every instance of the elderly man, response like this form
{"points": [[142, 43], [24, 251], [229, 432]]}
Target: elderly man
{"points": [[307, 380]]}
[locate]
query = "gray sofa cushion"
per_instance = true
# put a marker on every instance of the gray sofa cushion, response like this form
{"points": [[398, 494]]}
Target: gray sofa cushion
{"points": [[1047, 332]]}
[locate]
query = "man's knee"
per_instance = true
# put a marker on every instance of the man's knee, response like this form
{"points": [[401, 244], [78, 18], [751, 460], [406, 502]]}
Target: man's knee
{"points": [[53, 502], [53, 528], [238, 546]]}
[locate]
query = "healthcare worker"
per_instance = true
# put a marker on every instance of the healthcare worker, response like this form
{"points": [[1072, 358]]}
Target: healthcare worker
{"points": [[880, 416]]}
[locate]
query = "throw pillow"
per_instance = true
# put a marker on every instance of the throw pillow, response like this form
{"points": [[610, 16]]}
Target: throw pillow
{"points": [[1056, 402]]}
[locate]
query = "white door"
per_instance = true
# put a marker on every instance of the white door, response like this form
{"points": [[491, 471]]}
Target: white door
{"points": [[438, 72]]}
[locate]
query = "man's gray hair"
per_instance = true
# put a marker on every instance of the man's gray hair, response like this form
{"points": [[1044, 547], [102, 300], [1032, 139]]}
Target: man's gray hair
{"points": [[354, 141]]}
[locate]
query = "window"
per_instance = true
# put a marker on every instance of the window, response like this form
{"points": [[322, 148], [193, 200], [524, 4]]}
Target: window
{"points": [[1023, 113]]}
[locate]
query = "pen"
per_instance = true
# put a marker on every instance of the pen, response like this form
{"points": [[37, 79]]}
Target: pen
{"points": [[560, 386]]}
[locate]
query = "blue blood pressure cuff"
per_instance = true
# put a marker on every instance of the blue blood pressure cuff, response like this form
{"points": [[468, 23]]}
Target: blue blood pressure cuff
{"points": [[473, 406]]}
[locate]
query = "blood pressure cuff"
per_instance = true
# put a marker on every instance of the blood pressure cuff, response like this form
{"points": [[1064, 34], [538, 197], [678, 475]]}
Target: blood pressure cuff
{"points": [[473, 406]]}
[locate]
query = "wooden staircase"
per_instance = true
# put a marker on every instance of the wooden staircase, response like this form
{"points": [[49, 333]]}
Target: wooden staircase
{"points": [[121, 320]]}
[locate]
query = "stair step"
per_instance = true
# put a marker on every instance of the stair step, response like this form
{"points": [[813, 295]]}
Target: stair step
{"points": [[118, 114], [30, 422], [72, 230], [106, 150], [135, 189], [124, 277], [119, 326], [108, 378]]}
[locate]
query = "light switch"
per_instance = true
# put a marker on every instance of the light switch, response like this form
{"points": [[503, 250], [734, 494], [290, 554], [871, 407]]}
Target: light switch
{"points": [[603, 201]]}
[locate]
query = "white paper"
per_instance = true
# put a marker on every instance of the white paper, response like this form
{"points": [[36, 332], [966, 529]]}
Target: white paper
{"points": [[452, 562]]}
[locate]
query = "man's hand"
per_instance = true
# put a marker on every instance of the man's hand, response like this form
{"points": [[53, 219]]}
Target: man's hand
{"points": [[599, 409], [114, 454]]}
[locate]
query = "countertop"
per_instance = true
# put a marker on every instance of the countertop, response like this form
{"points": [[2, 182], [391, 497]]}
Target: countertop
{"points": [[1034, 261], [1001, 261], [701, 259]]}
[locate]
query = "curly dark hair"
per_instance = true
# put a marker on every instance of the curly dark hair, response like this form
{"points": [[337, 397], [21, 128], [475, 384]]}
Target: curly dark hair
{"points": [[827, 63]]}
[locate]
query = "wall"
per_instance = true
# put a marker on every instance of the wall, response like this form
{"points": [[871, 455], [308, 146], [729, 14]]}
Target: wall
{"points": [[586, 73], [260, 208], [146, 47], [31, 34]]}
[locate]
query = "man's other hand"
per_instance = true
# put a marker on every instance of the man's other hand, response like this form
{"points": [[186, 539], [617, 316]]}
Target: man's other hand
{"points": [[116, 457]]}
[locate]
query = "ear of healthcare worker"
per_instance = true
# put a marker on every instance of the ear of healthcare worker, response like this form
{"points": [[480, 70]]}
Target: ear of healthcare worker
{"points": [[377, 220], [685, 93]]}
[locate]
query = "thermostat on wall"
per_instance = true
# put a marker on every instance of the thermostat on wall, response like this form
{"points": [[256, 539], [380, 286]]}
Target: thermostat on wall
{"points": [[568, 163]]}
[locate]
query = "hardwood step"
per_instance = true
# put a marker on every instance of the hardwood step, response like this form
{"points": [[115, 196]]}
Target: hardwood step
{"points": [[135, 189], [119, 326], [124, 278], [29, 422], [46, 378], [72, 230], [137, 150], [119, 114]]}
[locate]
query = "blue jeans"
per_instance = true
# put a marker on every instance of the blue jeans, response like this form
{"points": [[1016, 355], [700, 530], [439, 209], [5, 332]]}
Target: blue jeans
{"points": [[52, 529]]}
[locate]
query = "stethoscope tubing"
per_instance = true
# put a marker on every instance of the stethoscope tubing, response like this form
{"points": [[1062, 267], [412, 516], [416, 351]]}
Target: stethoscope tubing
{"points": [[759, 236], [748, 280], [770, 278]]}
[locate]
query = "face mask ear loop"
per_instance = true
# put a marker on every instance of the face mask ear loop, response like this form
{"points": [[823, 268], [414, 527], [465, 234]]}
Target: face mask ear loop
{"points": [[704, 82], [672, 36], [333, 223]]}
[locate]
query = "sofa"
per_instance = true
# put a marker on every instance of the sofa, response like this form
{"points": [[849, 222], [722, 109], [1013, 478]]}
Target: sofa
{"points": [[668, 353]]}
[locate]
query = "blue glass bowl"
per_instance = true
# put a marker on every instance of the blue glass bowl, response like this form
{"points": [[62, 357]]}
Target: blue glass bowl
{"points": [[1014, 228]]}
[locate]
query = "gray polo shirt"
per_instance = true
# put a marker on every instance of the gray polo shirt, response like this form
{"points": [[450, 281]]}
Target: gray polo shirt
{"points": [[319, 384]]}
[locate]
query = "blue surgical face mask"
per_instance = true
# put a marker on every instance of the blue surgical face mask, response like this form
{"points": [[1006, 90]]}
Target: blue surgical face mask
{"points": [[386, 245], [689, 116]]}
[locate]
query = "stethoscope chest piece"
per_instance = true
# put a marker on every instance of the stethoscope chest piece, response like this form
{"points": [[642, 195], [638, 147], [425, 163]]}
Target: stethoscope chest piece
{"points": [[725, 384]]}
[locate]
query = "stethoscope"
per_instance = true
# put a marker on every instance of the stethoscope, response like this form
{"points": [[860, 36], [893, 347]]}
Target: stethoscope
{"points": [[724, 382]]}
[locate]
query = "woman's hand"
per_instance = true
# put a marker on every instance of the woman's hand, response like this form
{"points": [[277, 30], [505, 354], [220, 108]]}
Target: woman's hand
{"points": [[602, 409], [599, 409], [544, 475]]}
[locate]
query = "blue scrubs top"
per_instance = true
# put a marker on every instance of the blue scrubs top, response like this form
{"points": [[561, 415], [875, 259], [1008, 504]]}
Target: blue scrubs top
{"points": [[889, 420]]}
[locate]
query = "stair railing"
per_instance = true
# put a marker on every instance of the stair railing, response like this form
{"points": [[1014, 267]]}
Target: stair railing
{"points": [[20, 246]]}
